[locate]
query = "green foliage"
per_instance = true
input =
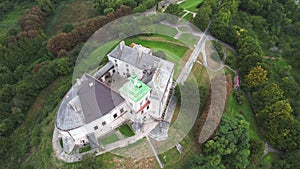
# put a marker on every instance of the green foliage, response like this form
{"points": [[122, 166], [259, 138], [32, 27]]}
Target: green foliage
{"points": [[68, 28], [228, 148], [47, 5], [288, 160], [281, 129], [5, 7], [256, 151], [204, 13], [108, 10], [256, 77], [268, 95], [174, 9], [239, 96]]}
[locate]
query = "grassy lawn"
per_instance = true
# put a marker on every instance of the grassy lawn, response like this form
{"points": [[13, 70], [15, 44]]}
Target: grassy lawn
{"points": [[188, 17], [178, 50], [165, 30], [190, 5], [189, 39], [269, 159], [173, 160], [73, 12], [183, 29], [112, 137], [85, 149], [126, 130]]}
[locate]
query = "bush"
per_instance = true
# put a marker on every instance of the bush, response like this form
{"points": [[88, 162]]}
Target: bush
{"points": [[239, 96], [231, 61], [68, 27], [108, 10]]}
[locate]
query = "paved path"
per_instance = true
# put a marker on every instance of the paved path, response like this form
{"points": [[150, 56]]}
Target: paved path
{"points": [[155, 153], [216, 70], [186, 12], [189, 64], [269, 149]]}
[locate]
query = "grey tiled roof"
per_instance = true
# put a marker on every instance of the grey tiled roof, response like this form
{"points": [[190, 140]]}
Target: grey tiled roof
{"points": [[95, 98], [131, 56]]}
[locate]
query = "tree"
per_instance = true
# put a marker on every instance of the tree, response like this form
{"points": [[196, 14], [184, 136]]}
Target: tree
{"points": [[108, 10], [281, 129], [256, 76], [205, 162], [47, 5], [68, 27], [203, 17], [101, 5], [174, 9], [33, 19], [268, 95], [288, 161], [228, 148], [220, 24]]}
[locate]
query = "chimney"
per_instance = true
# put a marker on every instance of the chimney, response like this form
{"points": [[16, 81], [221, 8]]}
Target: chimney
{"points": [[78, 82], [122, 44], [140, 51]]}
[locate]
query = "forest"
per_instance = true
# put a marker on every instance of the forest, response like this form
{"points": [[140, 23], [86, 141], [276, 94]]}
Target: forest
{"points": [[265, 34]]}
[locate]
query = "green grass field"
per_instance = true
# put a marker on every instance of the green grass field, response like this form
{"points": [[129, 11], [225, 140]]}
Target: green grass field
{"points": [[164, 30], [109, 139], [126, 130], [172, 159], [85, 149], [189, 39], [177, 50], [190, 5], [188, 17]]}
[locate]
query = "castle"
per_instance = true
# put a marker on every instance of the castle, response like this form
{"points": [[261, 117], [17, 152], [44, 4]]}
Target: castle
{"points": [[133, 86]]}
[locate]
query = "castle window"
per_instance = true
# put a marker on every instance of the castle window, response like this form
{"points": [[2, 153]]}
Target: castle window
{"points": [[122, 110], [127, 70], [116, 65], [96, 127], [142, 112], [103, 123], [115, 115], [147, 107], [115, 60]]}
